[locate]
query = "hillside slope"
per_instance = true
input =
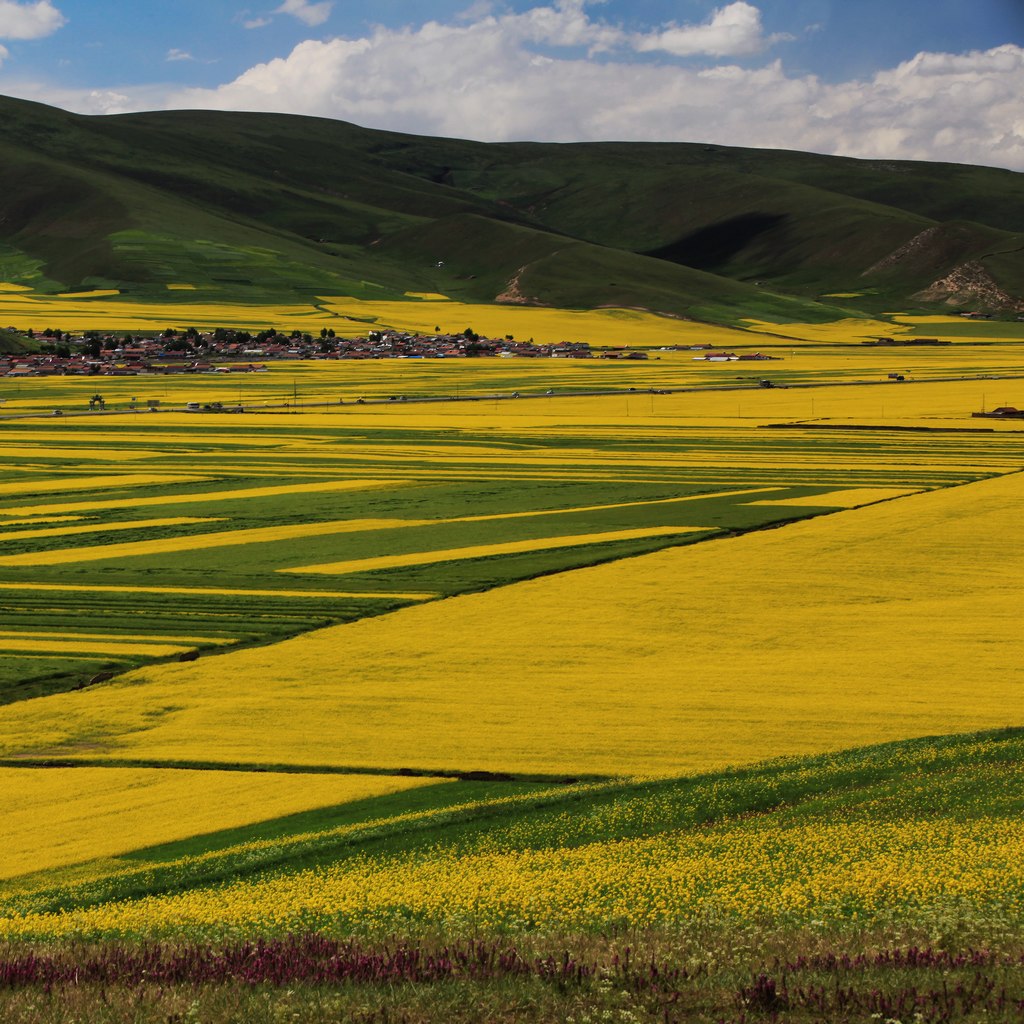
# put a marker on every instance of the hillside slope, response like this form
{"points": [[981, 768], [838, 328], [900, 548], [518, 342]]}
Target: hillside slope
{"points": [[13, 343], [269, 207]]}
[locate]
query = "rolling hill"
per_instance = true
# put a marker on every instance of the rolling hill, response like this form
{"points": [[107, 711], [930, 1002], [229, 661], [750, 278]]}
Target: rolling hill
{"points": [[271, 207]]}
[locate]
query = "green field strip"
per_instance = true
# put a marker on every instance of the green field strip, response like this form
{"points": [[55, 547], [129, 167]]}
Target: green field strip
{"points": [[488, 551], [195, 542], [91, 483], [219, 591], [10, 634], [68, 531], [188, 499]]}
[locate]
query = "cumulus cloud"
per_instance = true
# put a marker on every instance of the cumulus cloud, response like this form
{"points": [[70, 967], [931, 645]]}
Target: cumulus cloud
{"points": [[732, 31], [29, 20], [4, 54], [312, 14], [177, 55], [565, 24], [486, 80]]}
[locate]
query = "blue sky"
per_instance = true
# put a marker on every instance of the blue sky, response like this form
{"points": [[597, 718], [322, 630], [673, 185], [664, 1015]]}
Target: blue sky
{"points": [[923, 79]]}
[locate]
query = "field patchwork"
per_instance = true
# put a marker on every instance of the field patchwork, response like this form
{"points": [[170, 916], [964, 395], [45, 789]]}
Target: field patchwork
{"points": [[238, 523], [857, 634], [570, 670]]}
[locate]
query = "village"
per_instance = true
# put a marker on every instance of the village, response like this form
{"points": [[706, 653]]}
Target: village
{"points": [[189, 351], [224, 350]]}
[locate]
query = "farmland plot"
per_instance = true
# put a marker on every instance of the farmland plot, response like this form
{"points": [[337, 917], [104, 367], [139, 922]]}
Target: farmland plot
{"points": [[249, 528], [837, 631]]}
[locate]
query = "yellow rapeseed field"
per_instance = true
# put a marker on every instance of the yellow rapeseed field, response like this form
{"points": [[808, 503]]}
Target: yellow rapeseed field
{"points": [[703, 496], [837, 631], [37, 521], [113, 637], [92, 483], [99, 293], [59, 816], [12, 643], [67, 531], [192, 499], [486, 550], [199, 541], [852, 498], [610, 326], [838, 870]]}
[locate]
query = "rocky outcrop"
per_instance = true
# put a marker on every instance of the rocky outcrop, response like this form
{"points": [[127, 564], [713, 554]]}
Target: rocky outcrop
{"points": [[970, 284], [909, 252]]}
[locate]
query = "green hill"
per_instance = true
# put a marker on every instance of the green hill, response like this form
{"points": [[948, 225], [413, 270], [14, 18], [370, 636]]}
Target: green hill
{"points": [[14, 343], [271, 207]]}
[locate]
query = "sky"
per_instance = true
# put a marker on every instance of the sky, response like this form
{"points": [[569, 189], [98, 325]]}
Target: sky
{"points": [[880, 79]]}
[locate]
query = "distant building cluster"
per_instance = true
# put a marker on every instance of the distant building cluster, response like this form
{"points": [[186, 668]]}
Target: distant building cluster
{"points": [[1002, 412], [227, 351], [399, 345], [903, 342]]}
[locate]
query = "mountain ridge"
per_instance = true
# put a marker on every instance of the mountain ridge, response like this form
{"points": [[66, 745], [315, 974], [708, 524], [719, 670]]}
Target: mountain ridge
{"points": [[278, 206]]}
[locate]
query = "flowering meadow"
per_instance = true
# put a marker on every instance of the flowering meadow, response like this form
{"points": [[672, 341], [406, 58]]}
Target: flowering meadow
{"points": [[840, 884]]}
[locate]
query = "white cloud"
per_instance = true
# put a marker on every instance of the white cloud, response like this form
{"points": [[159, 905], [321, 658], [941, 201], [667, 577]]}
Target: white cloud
{"points": [[247, 19], [89, 101], [29, 20], [565, 24], [312, 14], [4, 54], [731, 31], [176, 55], [477, 10]]}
